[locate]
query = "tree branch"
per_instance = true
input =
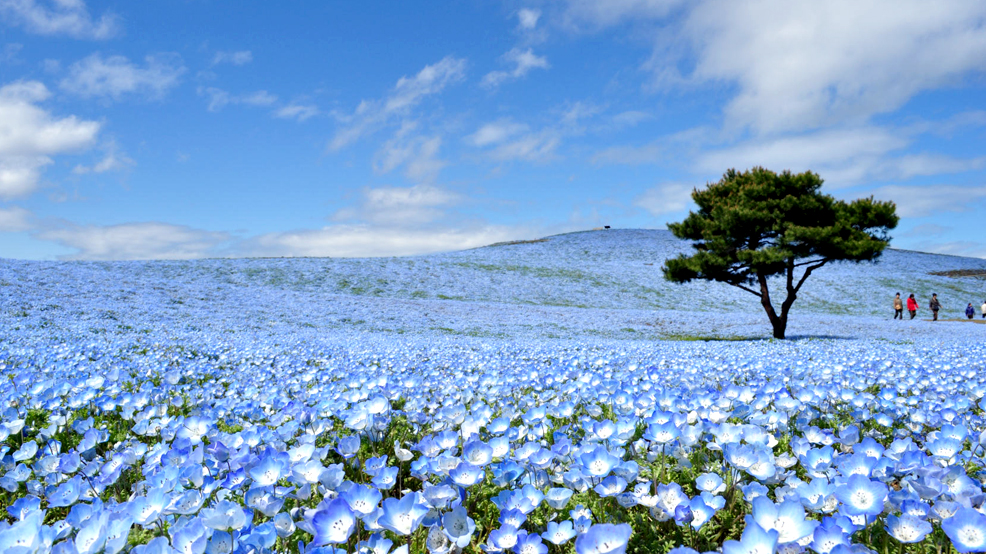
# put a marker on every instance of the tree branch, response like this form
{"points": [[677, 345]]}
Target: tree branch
{"points": [[809, 262], [749, 290], [808, 271]]}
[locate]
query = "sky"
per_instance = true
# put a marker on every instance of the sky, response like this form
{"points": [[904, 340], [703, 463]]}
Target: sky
{"points": [[166, 129]]}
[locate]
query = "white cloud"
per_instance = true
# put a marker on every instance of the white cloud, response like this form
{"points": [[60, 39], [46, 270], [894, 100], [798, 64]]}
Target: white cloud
{"points": [[241, 57], [666, 198], [921, 201], [506, 140], [30, 135], [965, 248], [523, 61], [803, 65], [854, 152], [630, 118], [399, 206], [117, 76], [114, 159], [135, 241], [630, 155], [527, 18], [533, 147], [842, 156], [496, 132], [927, 230], [219, 98], [59, 17], [371, 241], [14, 219], [418, 154], [259, 98], [300, 112], [407, 93], [597, 14]]}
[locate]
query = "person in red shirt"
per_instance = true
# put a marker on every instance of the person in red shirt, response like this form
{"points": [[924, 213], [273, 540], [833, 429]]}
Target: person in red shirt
{"points": [[912, 305]]}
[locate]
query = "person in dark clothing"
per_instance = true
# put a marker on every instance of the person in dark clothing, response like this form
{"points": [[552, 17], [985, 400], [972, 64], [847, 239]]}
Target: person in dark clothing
{"points": [[912, 305], [970, 312], [935, 305], [898, 307]]}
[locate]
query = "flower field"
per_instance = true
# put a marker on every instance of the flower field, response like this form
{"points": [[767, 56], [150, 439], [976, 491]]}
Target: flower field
{"points": [[545, 397]]}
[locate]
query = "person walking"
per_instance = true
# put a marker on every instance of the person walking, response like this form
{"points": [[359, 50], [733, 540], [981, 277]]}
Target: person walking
{"points": [[912, 305], [898, 307], [983, 308], [970, 312], [935, 305]]}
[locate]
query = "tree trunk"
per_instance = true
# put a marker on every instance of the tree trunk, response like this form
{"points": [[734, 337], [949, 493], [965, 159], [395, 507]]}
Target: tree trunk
{"points": [[779, 323]]}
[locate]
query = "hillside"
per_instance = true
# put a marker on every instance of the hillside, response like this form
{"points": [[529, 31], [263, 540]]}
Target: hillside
{"points": [[595, 283]]}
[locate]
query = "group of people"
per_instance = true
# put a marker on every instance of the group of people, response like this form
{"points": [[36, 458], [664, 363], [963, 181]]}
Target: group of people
{"points": [[935, 305]]}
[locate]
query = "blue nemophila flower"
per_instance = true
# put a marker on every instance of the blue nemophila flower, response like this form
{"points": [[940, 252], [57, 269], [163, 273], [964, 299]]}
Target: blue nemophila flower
{"points": [[862, 496], [23, 535], [24, 505], [147, 509], [512, 516], [307, 472], [702, 512], [669, 497], [530, 543], [362, 499], [66, 494], [268, 469], [458, 526], [372, 466], [333, 523], [604, 538], [598, 462], [91, 535], [261, 537], [26, 451], [284, 525], [225, 515], [376, 544], [787, 518], [190, 538], [610, 486], [186, 503], [264, 500], [559, 533], [557, 497], [221, 542], [817, 495], [662, 433], [503, 538], [386, 478], [437, 542], [710, 482], [907, 528], [157, 545], [348, 446], [403, 516], [967, 530], [754, 540], [477, 453], [467, 475], [828, 535]]}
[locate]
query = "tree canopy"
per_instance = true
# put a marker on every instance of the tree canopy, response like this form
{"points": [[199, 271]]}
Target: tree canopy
{"points": [[754, 224]]}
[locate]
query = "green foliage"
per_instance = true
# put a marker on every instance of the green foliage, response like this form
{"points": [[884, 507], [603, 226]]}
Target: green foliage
{"points": [[754, 224]]}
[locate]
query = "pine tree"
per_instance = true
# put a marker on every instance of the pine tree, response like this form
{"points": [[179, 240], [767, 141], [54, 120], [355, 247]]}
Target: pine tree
{"points": [[755, 224]]}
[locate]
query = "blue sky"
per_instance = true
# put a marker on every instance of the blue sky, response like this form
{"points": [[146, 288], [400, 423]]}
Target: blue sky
{"points": [[162, 129]]}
